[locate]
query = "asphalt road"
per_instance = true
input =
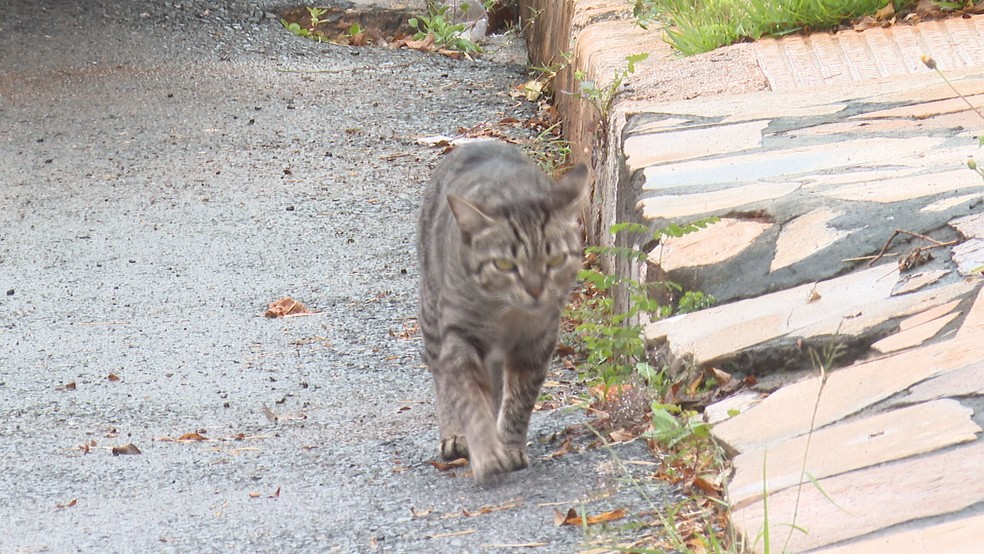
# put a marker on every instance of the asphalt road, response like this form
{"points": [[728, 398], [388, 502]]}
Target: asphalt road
{"points": [[161, 181]]}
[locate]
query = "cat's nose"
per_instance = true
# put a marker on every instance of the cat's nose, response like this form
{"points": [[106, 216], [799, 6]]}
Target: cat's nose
{"points": [[535, 292]]}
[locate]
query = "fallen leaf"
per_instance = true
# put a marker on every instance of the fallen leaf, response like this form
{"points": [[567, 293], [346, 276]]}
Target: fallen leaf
{"points": [[444, 466], [420, 513], [425, 44], [706, 486], [573, 518], [533, 89], [70, 504], [253, 494], [125, 449], [565, 448], [722, 377], [286, 306], [190, 437], [66, 386], [621, 435], [113, 377], [886, 13], [276, 493]]}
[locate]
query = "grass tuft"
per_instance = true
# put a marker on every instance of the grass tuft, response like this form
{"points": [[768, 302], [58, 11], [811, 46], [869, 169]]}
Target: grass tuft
{"points": [[695, 26]]}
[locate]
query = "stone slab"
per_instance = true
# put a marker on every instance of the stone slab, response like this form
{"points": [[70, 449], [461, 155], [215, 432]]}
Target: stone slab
{"points": [[805, 235], [890, 190], [957, 536], [869, 499], [915, 281], [850, 305], [973, 324], [849, 446], [687, 205], [643, 150], [741, 402], [928, 315], [787, 412], [966, 381], [914, 336], [783, 163], [711, 245]]}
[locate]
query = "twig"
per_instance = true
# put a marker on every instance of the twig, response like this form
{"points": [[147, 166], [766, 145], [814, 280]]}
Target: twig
{"points": [[897, 232]]}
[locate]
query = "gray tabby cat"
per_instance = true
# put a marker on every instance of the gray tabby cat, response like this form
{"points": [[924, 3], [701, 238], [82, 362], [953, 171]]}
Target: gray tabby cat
{"points": [[498, 247]]}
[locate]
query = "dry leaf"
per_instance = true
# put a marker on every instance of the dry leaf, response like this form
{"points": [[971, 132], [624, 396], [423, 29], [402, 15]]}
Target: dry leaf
{"points": [[125, 449], [420, 513], [285, 307], [113, 377], [70, 504], [886, 13], [66, 386], [253, 494], [444, 466], [573, 518], [425, 44], [706, 486], [722, 377], [189, 437], [621, 435], [565, 448]]}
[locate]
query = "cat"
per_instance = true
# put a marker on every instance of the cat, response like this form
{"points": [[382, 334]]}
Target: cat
{"points": [[498, 248]]}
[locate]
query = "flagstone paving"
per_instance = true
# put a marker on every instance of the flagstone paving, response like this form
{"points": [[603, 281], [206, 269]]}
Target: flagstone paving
{"points": [[848, 215]]}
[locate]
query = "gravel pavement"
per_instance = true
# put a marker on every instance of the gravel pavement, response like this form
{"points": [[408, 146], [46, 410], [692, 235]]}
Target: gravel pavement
{"points": [[160, 183]]}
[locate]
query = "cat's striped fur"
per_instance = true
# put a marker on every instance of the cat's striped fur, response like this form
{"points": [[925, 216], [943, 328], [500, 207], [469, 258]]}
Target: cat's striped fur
{"points": [[498, 247]]}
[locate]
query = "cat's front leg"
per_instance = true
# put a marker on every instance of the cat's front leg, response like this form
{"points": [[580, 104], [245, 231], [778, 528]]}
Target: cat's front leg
{"points": [[453, 444], [465, 399], [521, 386]]}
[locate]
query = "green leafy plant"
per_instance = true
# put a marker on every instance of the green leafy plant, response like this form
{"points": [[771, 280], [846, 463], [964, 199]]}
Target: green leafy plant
{"points": [[613, 338], [311, 31], [438, 24], [602, 98]]}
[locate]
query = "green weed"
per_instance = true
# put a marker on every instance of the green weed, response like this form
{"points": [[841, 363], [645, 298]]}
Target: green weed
{"points": [[613, 338], [602, 98], [694, 26], [311, 31], [437, 23]]}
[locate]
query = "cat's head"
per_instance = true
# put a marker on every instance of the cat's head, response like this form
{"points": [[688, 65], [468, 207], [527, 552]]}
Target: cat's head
{"points": [[525, 254]]}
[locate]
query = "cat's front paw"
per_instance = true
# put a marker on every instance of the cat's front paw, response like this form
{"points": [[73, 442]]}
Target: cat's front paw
{"points": [[497, 461], [454, 447], [518, 458]]}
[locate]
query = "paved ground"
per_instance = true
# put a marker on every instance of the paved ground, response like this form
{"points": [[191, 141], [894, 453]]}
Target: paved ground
{"points": [[811, 180], [161, 181]]}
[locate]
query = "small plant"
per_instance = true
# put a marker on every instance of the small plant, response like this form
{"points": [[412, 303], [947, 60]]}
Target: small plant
{"points": [[602, 98], [613, 338], [311, 31], [438, 24]]}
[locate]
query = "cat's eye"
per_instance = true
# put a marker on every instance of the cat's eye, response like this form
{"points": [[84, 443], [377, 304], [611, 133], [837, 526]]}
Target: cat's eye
{"points": [[503, 264], [556, 261]]}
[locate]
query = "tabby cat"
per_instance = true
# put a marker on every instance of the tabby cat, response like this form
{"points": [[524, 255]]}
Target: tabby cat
{"points": [[498, 247]]}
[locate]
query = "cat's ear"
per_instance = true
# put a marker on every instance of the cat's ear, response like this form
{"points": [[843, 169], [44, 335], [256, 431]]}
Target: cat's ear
{"points": [[469, 217], [571, 190]]}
